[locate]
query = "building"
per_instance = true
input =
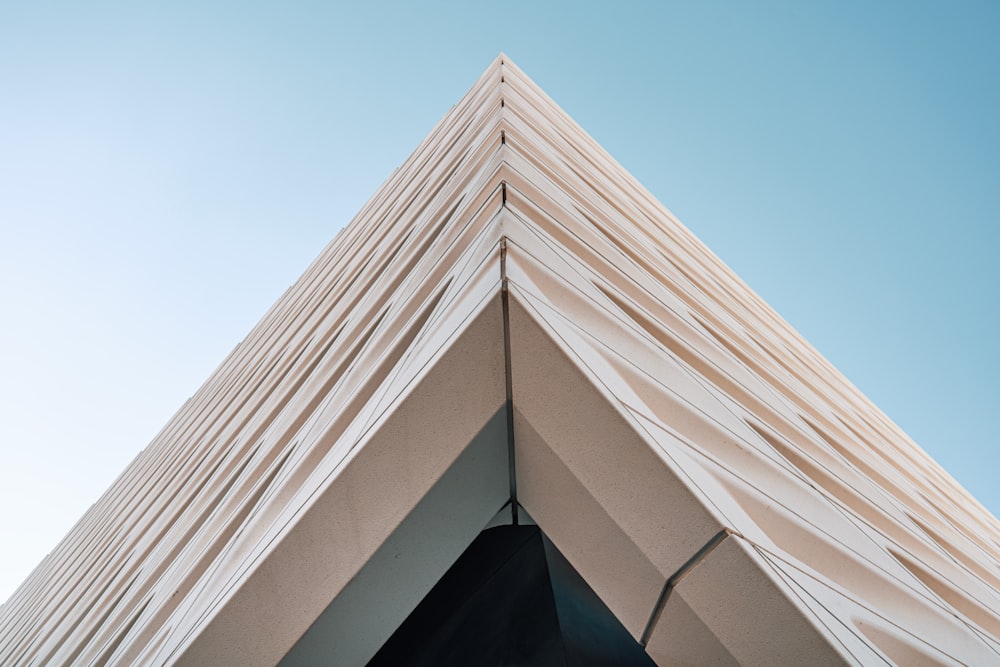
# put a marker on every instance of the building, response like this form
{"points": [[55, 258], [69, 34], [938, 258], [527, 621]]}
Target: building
{"points": [[515, 354]]}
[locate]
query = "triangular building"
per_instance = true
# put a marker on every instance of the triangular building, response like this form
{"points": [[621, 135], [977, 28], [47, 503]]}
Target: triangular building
{"points": [[516, 410]]}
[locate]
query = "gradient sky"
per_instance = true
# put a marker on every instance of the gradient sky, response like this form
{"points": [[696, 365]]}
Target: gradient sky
{"points": [[168, 169]]}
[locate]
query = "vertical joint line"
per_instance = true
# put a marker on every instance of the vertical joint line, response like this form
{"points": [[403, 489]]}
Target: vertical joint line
{"points": [[504, 301], [675, 579], [503, 137], [503, 242]]}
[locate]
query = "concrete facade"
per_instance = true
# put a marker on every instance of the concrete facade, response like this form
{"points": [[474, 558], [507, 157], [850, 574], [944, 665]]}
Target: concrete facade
{"points": [[513, 327]]}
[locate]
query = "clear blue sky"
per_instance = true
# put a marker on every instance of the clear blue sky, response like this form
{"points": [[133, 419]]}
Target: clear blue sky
{"points": [[167, 171]]}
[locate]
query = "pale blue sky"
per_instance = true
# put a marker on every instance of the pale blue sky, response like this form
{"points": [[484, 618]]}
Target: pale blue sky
{"points": [[167, 171]]}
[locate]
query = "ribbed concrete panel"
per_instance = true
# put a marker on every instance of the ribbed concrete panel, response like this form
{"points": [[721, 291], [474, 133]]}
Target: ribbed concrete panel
{"points": [[513, 325]]}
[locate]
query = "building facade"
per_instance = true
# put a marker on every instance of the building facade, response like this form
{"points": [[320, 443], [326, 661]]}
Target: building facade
{"points": [[514, 353]]}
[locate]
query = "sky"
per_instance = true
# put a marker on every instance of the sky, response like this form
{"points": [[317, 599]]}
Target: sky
{"points": [[167, 170]]}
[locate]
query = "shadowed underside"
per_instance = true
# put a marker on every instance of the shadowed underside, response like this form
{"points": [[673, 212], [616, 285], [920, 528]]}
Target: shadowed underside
{"points": [[512, 327]]}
